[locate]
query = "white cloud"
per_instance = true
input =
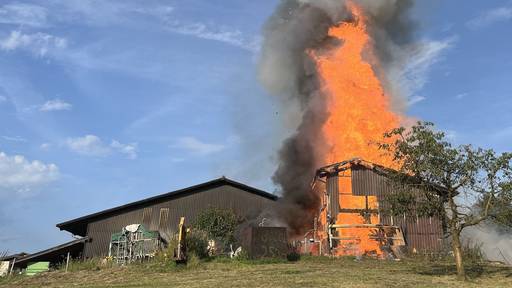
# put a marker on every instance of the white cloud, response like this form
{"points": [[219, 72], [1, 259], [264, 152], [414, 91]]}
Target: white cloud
{"points": [[108, 13], [196, 146], [125, 13], [23, 177], [159, 11], [415, 99], [37, 43], [14, 138], [84, 12], [129, 149], [90, 145], [23, 14], [413, 74], [229, 36], [55, 105], [45, 146], [461, 96], [490, 17]]}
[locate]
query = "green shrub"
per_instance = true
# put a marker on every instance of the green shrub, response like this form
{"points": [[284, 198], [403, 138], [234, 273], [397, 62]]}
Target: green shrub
{"points": [[197, 247], [220, 224], [293, 256], [197, 244], [167, 254], [193, 261]]}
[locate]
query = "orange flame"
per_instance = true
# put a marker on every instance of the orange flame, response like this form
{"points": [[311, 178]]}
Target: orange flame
{"points": [[359, 113]]}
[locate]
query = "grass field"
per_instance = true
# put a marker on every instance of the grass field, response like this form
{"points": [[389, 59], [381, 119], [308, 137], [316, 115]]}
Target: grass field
{"points": [[308, 272]]}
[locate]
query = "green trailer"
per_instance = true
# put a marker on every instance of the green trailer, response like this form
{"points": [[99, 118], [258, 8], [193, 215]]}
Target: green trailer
{"points": [[37, 267]]}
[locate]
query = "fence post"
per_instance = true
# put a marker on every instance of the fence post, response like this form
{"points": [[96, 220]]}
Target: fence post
{"points": [[67, 262]]}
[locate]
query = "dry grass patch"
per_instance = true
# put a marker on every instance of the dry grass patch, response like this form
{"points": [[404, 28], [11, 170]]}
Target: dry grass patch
{"points": [[308, 272]]}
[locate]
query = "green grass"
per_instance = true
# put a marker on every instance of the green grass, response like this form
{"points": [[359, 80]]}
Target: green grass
{"points": [[308, 272]]}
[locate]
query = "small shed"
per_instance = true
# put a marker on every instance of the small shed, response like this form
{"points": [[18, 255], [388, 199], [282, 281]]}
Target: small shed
{"points": [[54, 255], [6, 262]]}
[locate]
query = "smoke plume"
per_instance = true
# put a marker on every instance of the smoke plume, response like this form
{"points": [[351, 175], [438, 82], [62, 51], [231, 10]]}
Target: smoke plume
{"points": [[288, 73], [495, 243]]}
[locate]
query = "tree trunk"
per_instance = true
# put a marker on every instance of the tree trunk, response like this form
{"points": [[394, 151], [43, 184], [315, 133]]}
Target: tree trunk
{"points": [[442, 215], [456, 244], [457, 253]]}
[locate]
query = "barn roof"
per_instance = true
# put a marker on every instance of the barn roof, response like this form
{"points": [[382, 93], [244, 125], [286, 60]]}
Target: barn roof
{"points": [[53, 254], [78, 226], [354, 162], [13, 256], [382, 170]]}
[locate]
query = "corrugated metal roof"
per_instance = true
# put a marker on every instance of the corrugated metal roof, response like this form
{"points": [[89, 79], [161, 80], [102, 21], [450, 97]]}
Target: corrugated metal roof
{"points": [[78, 226], [52, 254]]}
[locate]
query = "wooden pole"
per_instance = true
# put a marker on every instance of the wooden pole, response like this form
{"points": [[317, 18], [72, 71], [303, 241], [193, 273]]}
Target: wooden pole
{"points": [[12, 266], [67, 262]]}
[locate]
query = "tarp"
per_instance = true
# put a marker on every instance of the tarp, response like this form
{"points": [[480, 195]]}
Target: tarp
{"points": [[4, 268], [132, 228]]}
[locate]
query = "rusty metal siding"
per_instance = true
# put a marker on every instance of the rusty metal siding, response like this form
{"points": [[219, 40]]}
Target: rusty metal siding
{"points": [[333, 194], [227, 197], [422, 234]]}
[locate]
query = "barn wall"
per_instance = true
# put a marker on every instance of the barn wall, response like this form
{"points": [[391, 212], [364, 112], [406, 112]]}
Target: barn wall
{"points": [[421, 233], [243, 203]]}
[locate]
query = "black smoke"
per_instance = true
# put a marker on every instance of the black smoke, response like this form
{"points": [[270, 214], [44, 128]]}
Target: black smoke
{"points": [[288, 73]]}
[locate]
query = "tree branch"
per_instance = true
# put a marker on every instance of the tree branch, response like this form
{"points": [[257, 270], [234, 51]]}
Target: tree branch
{"points": [[484, 216]]}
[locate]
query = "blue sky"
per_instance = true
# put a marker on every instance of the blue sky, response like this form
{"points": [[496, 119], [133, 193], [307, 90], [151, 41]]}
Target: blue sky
{"points": [[106, 102]]}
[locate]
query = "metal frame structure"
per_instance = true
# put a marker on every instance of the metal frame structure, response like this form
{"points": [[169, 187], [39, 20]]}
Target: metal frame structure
{"points": [[126, 246]]}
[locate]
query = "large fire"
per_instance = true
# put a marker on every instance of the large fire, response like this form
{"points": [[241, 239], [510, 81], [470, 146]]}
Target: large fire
{"points": [[359, 113]]}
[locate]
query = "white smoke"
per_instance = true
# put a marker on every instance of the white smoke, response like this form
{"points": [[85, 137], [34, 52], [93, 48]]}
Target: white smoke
{"points": [[495, 244]]}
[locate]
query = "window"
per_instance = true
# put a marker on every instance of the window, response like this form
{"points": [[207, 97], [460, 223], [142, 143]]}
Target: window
{"points": [[163, 222], [146, 217]]}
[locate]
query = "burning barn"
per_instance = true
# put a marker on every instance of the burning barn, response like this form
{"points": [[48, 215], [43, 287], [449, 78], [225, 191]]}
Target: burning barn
{"points": [[339, 69], [351, 219]]}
